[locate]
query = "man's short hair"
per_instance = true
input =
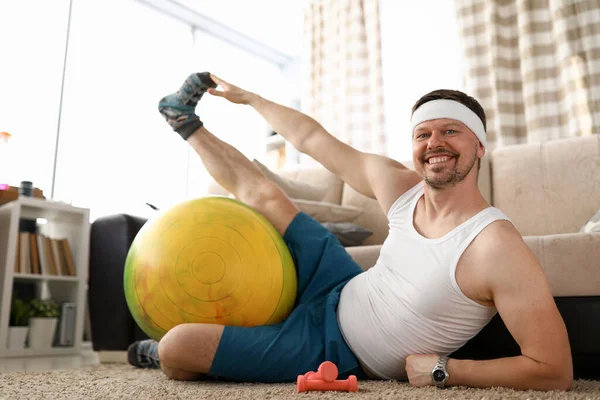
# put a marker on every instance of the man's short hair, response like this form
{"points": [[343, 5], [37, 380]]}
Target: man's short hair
{"points": [[456, 95]]}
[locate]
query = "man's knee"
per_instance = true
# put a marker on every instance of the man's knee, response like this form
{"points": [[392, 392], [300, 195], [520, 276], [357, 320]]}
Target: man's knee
{"points": [[190, 347], [261, 190], [271, 201], [169, 347]]}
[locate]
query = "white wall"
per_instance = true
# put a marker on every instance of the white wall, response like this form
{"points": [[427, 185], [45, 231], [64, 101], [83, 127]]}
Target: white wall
{"points": [[420, 53], [275, 23]]}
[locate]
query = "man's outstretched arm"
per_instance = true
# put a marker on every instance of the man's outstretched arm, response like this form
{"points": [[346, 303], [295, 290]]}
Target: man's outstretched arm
{"points": [[373, 175], [519, 289]]}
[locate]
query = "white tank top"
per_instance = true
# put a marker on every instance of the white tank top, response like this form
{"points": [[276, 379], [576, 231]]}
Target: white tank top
{"points": [[410, 302]]}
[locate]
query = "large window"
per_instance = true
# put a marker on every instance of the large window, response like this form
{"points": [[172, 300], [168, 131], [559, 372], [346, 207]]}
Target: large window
{"points": [[115, 151], [32, 49]]}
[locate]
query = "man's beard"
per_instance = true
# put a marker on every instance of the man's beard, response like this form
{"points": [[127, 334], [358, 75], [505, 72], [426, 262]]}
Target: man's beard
{"points": [[451, 178]]}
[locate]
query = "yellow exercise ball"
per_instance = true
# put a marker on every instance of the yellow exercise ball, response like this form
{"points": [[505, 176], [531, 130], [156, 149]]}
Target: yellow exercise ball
{"points": [[208, 260]]}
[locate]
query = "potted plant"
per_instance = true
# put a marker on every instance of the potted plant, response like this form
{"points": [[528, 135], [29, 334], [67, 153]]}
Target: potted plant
{"points": [[18, 326], [43, 318]]}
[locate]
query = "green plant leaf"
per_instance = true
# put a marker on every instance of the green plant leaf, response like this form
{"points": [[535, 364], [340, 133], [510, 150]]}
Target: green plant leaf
{"points": [[19, 312], [43, 309]]}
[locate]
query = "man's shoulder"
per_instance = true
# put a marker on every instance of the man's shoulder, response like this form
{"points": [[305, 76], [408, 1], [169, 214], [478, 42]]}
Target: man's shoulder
{"points": [[498, 236], [500, 249]]}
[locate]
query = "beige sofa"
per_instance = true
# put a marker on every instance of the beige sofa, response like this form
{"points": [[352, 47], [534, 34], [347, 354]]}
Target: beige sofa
{"points": [[548, 190]]}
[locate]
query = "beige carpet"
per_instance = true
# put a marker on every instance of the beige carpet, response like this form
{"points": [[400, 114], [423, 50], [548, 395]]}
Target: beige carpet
{"points": [[120, 381]]}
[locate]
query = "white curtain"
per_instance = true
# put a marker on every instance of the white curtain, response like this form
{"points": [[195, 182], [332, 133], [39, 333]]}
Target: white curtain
{"points": [[345, 92], [534, 65]]}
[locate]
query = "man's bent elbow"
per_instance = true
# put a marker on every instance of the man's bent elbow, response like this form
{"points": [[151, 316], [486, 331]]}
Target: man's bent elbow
{"points": [[561, 379], [567, 380], [557, 375]]}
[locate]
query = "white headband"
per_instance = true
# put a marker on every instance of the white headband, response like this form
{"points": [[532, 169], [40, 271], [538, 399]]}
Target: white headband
{"points": [[451, 109]]}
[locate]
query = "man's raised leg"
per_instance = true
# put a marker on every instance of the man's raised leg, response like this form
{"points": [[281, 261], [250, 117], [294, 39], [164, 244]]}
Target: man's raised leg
{"points": [[230, 168]]}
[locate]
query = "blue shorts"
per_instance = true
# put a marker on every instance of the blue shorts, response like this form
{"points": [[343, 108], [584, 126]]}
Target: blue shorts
{"points": [[311, 334]]}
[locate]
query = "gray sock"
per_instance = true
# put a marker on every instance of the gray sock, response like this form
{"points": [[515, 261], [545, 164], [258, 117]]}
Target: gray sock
{"points": [[179, 108], [144, 354]]}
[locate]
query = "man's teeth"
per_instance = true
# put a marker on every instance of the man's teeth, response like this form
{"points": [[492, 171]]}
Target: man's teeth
{"points": [[435, 160]]}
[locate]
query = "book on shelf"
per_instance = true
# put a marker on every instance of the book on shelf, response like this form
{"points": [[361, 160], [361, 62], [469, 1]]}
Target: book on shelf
{"points": [[35, 255], [25, 258], [58, 258], [39, 254], [68, 257], [17, 255], [45, 256]]}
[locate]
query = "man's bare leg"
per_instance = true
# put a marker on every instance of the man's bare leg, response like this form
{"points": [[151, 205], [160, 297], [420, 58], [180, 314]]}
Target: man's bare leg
{"points": [[187, 351], [232, 170]]}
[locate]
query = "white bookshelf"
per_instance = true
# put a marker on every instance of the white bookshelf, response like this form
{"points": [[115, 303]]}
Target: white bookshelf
{"points": [[63, 221]]}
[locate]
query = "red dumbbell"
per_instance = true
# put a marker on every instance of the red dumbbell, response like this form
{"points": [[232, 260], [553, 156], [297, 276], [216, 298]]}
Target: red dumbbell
{"points": [[325, 379]]}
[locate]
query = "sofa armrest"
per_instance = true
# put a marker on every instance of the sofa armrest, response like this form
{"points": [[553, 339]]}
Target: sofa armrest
{"points": [[113, 327], [571, 262], [365, 256]]}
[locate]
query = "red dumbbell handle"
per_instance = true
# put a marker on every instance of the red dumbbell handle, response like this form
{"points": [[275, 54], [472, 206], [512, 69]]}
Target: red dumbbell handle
{"points": [[327, 372]]}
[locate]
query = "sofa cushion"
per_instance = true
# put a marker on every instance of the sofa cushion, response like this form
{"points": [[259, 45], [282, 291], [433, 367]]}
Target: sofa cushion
{"points": [[328, 212], [571, 262], [548, 188], [373, 218], [348, 234], [309, 184]]}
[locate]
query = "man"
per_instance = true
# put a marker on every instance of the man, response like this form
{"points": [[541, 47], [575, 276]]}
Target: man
{"points": [[449, 264]]}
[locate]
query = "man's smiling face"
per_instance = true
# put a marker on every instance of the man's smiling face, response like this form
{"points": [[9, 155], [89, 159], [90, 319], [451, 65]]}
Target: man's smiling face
{"points": [[444, 152]]}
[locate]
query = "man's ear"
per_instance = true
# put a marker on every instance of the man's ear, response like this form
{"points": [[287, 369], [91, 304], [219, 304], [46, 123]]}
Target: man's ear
{"points": [[481, 150]]}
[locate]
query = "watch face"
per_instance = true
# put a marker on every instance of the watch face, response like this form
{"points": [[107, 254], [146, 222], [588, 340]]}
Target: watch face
{"points": [[439, 375]]}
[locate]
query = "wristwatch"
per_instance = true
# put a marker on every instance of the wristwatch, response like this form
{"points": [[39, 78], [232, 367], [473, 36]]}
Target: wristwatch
{"points": [[438, 374]]}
